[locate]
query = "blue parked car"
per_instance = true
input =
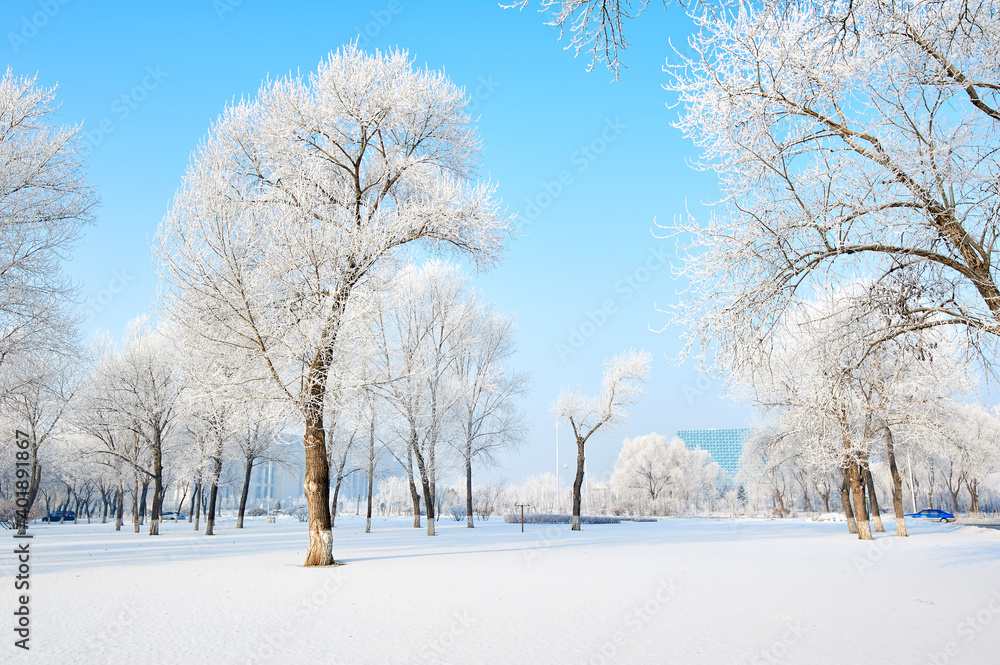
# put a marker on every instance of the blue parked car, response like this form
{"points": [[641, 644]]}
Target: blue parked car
{"points": [[939, 515], [60, 516]]}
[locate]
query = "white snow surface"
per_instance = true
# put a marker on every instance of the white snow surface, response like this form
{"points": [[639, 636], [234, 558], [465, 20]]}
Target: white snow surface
{"points": [[675, 591]]}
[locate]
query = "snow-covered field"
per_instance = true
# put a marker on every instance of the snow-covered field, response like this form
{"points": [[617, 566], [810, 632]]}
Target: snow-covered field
{"points": [[675, 591]]}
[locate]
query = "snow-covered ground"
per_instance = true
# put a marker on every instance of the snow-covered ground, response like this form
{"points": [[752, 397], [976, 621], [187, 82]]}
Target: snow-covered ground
{"points": [[675, 591]]}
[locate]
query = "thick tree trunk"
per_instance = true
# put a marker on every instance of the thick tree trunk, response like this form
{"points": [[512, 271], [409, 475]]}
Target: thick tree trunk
{"points": [[578, 484], [845, 504], [104, 508], [247, 471], [897, 485], [876, 512], [468, 489], [858, 495], [317, 490]]}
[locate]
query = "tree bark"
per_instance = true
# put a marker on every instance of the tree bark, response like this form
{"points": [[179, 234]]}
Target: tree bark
{"points": [[34, 482], [194, 497], [213, 495], [858, 495], [468, 489], [824, 495], [578, 483], [317, 490], [371, 481], [119, 506], [414, 496], [157, 507], [197, 515], [248, 470], [425, 483], [142, 502], [973, 488], [135, 505], [897, 485], [779, 503], [845, 503], [180, 504], [870, 485], [335, 501]]}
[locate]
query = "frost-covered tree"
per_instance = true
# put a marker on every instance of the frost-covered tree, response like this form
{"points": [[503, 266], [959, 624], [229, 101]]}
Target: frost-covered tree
{"points": [[848, 138], [293, 199], [595, 26], [967, 447], [840, 403], [421, 336], [486, 416], [254, 441], [620, 387], [660, 476], [36, 396], [131, 408], [45, 202]]}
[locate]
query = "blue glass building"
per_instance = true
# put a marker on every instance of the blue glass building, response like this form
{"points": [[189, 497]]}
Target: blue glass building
{"points": [[725, 445]]}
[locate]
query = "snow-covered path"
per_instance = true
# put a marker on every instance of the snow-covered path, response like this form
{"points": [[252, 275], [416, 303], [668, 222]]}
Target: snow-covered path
{"points": [[675, 591]]}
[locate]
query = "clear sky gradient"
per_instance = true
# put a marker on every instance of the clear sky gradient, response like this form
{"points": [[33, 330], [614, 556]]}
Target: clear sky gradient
{"points": [[588, 163]]}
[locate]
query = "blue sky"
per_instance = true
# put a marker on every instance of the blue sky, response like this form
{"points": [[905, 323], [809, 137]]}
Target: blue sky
{"points": [[588, 163]]}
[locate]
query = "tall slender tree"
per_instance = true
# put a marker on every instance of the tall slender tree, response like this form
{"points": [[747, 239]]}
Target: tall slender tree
{"points": [[620, 388], [293, 199]]}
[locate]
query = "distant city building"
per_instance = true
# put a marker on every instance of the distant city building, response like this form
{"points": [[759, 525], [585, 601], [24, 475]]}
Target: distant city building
{"points": [[725, 445]]}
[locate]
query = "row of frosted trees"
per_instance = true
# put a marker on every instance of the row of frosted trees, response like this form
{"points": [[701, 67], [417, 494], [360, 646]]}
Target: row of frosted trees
{"points": [[431, 391], [850, 414]]}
